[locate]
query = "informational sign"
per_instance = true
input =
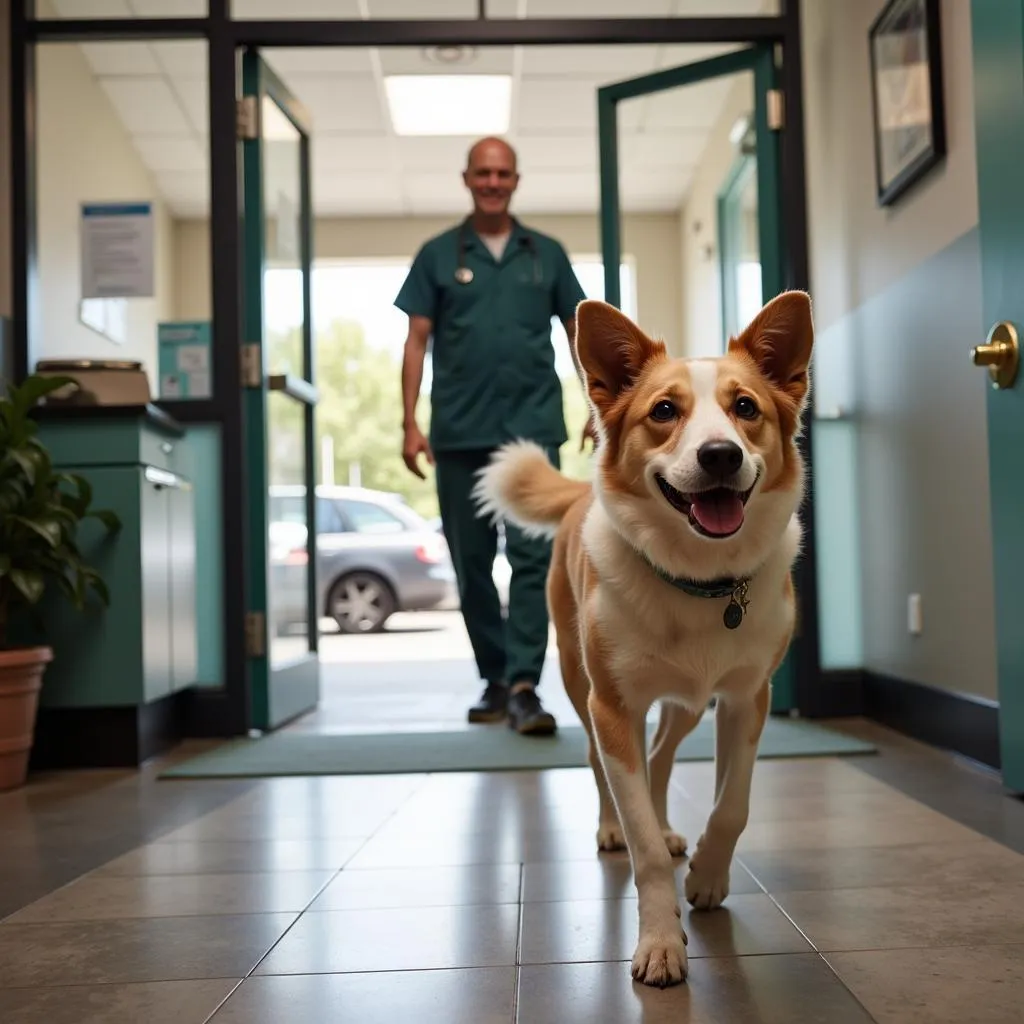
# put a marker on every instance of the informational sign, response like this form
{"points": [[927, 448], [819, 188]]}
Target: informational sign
{"points": [[117, 250], [185, 359]]}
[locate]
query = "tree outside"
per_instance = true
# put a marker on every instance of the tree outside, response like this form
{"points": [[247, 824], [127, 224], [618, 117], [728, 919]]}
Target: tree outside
{"points": [[360, 409]]}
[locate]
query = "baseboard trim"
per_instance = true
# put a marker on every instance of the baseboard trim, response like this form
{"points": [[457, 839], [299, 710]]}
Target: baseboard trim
{"points": [[966, 725], [107, 737], [839, 694]]}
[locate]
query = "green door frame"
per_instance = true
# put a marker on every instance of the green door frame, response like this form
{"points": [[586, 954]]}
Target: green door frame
{"points": [[277, 694], [998, 42], [760, 60]]}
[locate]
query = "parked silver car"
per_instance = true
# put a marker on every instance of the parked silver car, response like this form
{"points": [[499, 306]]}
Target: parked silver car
{"points": [[375, 556]]}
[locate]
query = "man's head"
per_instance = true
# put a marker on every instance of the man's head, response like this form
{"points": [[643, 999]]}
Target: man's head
{"points": [[491, 176]]}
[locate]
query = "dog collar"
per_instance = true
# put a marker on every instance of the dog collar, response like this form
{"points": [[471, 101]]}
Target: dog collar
{"points": [[727, 586]]}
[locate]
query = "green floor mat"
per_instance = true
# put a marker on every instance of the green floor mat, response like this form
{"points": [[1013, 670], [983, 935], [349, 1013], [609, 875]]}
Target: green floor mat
{"points": [[483, 749]]}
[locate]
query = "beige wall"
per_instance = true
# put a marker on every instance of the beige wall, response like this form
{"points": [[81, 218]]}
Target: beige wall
{"points": [[651, 239], [85, 155], [859, 248], [701, 306], [901, 481]]}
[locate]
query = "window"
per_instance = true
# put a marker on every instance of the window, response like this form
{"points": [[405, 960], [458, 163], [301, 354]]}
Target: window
{"points": [[366, 517], [739, 246]]}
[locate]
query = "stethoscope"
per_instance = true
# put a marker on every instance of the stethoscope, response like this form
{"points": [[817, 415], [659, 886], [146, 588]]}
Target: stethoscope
{"points": [[464, 275]]}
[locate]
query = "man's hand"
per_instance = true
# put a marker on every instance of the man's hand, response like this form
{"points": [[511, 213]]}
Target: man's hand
{"points": [[589, 433], [416, 444]]}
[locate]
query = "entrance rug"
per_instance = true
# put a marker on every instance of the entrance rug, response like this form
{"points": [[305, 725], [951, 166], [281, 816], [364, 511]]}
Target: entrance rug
{"points": [[483, 749]]}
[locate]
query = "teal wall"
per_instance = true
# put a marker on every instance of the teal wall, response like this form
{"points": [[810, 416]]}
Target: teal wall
{"points": [[204, 446], [901, 480]]}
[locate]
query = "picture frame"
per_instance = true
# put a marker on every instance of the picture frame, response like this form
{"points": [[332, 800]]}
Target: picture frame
{"points": [[905, 49]]}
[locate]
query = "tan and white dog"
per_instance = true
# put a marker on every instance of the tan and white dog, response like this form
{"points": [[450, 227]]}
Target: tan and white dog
{"points": [[670, 580]]}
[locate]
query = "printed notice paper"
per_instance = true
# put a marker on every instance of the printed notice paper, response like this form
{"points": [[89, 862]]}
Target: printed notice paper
{"points": [[117, 250]]}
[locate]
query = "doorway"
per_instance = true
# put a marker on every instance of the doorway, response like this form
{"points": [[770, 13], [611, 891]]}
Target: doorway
{"points": [[245, 697]]}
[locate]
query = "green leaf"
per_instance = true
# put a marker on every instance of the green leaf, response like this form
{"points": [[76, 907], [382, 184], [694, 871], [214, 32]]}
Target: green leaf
{"points": [[24, 460], [30, 584], [98, 585], [49, 530], [5, 564], [28, 393]]}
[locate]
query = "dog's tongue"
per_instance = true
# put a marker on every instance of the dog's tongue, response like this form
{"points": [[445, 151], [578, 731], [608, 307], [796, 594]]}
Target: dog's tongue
{"points": [[719, 511]]}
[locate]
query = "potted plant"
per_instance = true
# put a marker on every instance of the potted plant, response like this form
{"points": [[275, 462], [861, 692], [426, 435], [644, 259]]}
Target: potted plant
{"points": [[40, 510]]}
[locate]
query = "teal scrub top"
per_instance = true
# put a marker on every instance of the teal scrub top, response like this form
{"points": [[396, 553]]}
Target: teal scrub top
{"points": [[494, 376]]}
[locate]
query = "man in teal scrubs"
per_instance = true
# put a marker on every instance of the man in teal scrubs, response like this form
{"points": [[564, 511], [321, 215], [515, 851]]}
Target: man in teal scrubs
{"points": [[485, 292]]}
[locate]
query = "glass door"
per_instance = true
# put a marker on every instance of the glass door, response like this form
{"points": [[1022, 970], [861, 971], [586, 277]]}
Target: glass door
{"points": [[280, 401], [751, 185]]}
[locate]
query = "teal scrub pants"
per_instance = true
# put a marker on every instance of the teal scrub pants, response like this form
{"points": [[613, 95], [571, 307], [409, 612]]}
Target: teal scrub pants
{"points": [[511, 649]]}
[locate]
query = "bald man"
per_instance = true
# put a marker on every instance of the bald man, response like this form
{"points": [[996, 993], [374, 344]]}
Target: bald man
{"points": [[484, 293]]}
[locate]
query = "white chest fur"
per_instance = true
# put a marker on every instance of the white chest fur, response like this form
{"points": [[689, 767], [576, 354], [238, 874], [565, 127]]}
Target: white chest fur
{"points": [[662, 643]]}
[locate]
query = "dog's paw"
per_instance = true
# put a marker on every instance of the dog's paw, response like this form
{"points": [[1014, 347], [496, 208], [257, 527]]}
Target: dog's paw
{"points": [[660, 960], [610, 837], [675, 842], [706, 886]]}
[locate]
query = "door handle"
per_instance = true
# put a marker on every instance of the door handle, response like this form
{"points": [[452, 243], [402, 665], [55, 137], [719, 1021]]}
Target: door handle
{"points": [[1000, 353]]}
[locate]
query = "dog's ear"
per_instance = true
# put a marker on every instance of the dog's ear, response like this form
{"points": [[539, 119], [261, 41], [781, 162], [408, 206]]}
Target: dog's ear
{"points": [[611, 350], [779, 340]]}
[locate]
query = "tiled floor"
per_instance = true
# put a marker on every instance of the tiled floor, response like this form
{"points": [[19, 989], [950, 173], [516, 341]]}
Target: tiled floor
{"points": [[479, 899]]}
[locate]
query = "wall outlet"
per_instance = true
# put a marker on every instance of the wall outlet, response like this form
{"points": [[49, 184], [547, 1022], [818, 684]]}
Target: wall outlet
{"points": [[915, 625]]}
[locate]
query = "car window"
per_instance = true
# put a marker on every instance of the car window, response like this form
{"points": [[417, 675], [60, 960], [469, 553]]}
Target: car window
{"points": [[328, 517], [366, 517]]}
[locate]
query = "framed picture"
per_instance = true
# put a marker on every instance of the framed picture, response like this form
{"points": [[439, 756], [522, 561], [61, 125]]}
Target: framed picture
{"points": [[906, 85]]}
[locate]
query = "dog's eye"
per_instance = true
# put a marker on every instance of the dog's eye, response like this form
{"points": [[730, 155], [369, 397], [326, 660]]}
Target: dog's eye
{"points": [[663, 412], [746, 408]]}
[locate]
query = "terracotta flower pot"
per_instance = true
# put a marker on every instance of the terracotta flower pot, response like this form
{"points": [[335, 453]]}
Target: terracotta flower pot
{"points": [[21, 675]]}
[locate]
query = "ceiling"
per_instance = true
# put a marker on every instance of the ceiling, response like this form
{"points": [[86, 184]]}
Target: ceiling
{"points": [[361, 167]]}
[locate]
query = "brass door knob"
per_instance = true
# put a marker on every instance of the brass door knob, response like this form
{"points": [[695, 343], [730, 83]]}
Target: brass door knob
{"points": [[1000, 353]]}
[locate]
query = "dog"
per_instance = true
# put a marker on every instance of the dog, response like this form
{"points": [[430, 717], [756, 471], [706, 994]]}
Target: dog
{"points": [[670, 580]]}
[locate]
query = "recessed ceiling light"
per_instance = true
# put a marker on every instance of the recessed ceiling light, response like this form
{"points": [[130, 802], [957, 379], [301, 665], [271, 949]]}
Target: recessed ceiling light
{"points": [[449, 104]]}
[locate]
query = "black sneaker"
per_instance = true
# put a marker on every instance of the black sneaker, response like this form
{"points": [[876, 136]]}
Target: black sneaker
{"points": [[527, 716], [492, 706]]}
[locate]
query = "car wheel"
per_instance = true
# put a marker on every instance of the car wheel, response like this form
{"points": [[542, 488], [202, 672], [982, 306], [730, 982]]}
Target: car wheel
{"points": [[361, 603]]}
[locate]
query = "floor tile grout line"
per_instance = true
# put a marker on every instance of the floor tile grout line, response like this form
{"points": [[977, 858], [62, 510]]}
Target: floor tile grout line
{"points": [[220, 1006], [519, 944]]}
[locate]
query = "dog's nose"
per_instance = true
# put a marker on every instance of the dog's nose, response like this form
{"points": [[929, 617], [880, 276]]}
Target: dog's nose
{"points": [[720, 458]]}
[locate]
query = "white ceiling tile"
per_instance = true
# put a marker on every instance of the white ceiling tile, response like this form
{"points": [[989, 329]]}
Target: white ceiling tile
{"points": [[341, 153], [549, 105], [558, 191], [186, 58], [444, 154], [170, 8], [600, 8], [677, 55], [120, 59], [353, 194], [92, 9], [193, 95], [602, 63], [680, 148], [146, 105], [422, 9], [297, 9], [691, 106], [341, 104], [160, 153], [564, 152], [498, 60], [422, 186], [318, 60]]}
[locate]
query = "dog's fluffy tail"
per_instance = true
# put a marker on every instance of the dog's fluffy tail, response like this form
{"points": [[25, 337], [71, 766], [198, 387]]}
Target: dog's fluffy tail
{"points": [[521, 485]]}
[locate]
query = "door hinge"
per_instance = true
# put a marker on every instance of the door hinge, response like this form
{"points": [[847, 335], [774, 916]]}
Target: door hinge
{"points": [[252, 365], [776, 109], [248, 118], [255, 635]]}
